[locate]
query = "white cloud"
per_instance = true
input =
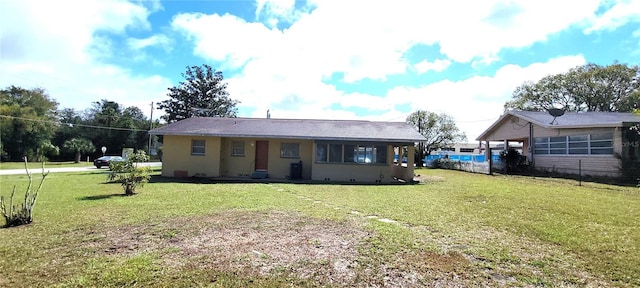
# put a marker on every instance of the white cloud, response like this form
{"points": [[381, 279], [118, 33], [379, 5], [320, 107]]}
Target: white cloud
{"points": [[621, 13], [438, 65], [234, 41], [56, 45], [286, 70], [367, 39], [156, 40], [478, 101]]}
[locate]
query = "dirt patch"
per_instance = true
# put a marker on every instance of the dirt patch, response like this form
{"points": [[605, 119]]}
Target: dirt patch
{"points": [[251, 243]]}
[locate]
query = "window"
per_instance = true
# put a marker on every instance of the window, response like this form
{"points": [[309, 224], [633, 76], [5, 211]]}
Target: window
{"points": [[197, 147], [466, 150], [351, 153], [381, 154], [598, 144], [322, 152], [558, 145], [335, 153], [602, 144], [541, 146], [237, 148], [579, 144], [290, 150]]}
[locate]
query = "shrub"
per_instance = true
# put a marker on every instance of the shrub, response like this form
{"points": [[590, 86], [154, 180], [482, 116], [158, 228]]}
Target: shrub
{"points": [[21, 214], [129, 174], [512, 159]]}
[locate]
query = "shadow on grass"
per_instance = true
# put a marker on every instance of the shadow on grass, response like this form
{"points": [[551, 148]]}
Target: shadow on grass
{"points": [[232, 180], [100, 197]]}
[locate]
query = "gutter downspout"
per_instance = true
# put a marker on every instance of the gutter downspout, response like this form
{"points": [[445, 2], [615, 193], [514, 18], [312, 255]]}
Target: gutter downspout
{"points": [[532, 146]]}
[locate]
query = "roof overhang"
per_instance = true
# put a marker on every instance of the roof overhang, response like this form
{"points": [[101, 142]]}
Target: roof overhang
{"points": [[264, 136]]}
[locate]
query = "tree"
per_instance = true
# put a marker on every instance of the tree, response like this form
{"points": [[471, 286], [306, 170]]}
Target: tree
{"points": [[78, 146], [591, 87], [201, 94], [28, 123], [120, 127], [440, 130]]}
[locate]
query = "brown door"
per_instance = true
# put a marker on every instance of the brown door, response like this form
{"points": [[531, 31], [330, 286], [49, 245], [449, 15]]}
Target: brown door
{"points": [[262, 155]]}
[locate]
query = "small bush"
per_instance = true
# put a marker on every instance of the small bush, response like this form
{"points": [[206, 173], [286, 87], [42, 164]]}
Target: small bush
{"points": [[513, 160], [128, 174]]}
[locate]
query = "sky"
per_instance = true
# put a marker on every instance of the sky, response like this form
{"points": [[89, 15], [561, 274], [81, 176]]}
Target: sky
{"points": [[320, 59]]}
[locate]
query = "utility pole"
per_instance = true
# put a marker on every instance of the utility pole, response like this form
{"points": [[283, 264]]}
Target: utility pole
{"points": [[420, 148], [150, 128]]}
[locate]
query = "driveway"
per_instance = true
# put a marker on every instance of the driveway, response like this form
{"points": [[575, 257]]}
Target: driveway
{"points": [[67, 169]]}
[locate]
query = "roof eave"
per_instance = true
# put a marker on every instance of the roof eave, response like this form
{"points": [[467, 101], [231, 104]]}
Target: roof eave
{"points": [[355, 139]]}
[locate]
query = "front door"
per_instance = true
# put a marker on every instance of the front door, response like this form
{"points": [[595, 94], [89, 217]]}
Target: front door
{"points": [[262, 155]]}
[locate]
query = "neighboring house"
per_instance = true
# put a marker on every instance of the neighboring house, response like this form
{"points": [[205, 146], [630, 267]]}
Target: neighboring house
{"points": [[460, 149], [585, 142], [320, 150]]}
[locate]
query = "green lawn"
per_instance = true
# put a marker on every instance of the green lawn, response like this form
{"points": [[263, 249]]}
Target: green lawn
{"points": [[36, 165], [453, 229]]}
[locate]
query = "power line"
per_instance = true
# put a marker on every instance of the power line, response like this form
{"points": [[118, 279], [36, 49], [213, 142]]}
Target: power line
{"points": [[73, 124]]}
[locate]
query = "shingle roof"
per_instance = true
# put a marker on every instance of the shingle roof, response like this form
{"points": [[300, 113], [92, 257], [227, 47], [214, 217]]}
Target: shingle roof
{"points": [[577, 119], [568, 120], [346, 130]]}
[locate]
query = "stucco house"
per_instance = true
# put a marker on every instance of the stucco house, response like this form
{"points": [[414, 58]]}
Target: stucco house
{"points": [[319, 150], [583, 142]]}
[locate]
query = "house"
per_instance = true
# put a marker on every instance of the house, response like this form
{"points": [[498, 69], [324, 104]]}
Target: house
{"points": [[585, 142], [320, 150]]}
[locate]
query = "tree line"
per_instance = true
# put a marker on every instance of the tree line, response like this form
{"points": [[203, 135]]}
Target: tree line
{"points": [[33, 125]]}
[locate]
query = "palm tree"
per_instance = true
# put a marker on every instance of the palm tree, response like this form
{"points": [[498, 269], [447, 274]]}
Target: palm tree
{"points": [[79, 146]]}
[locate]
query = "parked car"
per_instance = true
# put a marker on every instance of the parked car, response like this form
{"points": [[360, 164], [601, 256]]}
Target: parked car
{"points": [[105, 160]]}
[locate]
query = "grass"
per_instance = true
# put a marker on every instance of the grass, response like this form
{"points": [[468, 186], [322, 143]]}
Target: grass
{"points": [[37, 165], [455, 229]]}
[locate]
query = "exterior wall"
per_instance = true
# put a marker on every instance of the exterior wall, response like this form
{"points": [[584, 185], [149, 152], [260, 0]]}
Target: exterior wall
{"points": [[279, 168], [354, 172], [237, 166], [177, 160], [594, 165], [513, 128]]}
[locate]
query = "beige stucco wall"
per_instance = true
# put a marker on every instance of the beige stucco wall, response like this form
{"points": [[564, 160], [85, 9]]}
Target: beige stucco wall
{"points": [[279, 168], [177, 158]]}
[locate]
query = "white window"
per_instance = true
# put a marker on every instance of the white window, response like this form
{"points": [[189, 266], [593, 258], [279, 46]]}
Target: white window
{"points": [[290, 150], [597, 144], [237, 148], [197, 147]]}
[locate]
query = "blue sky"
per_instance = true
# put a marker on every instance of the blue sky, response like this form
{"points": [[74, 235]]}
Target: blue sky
{"points": [[375, 60]]}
